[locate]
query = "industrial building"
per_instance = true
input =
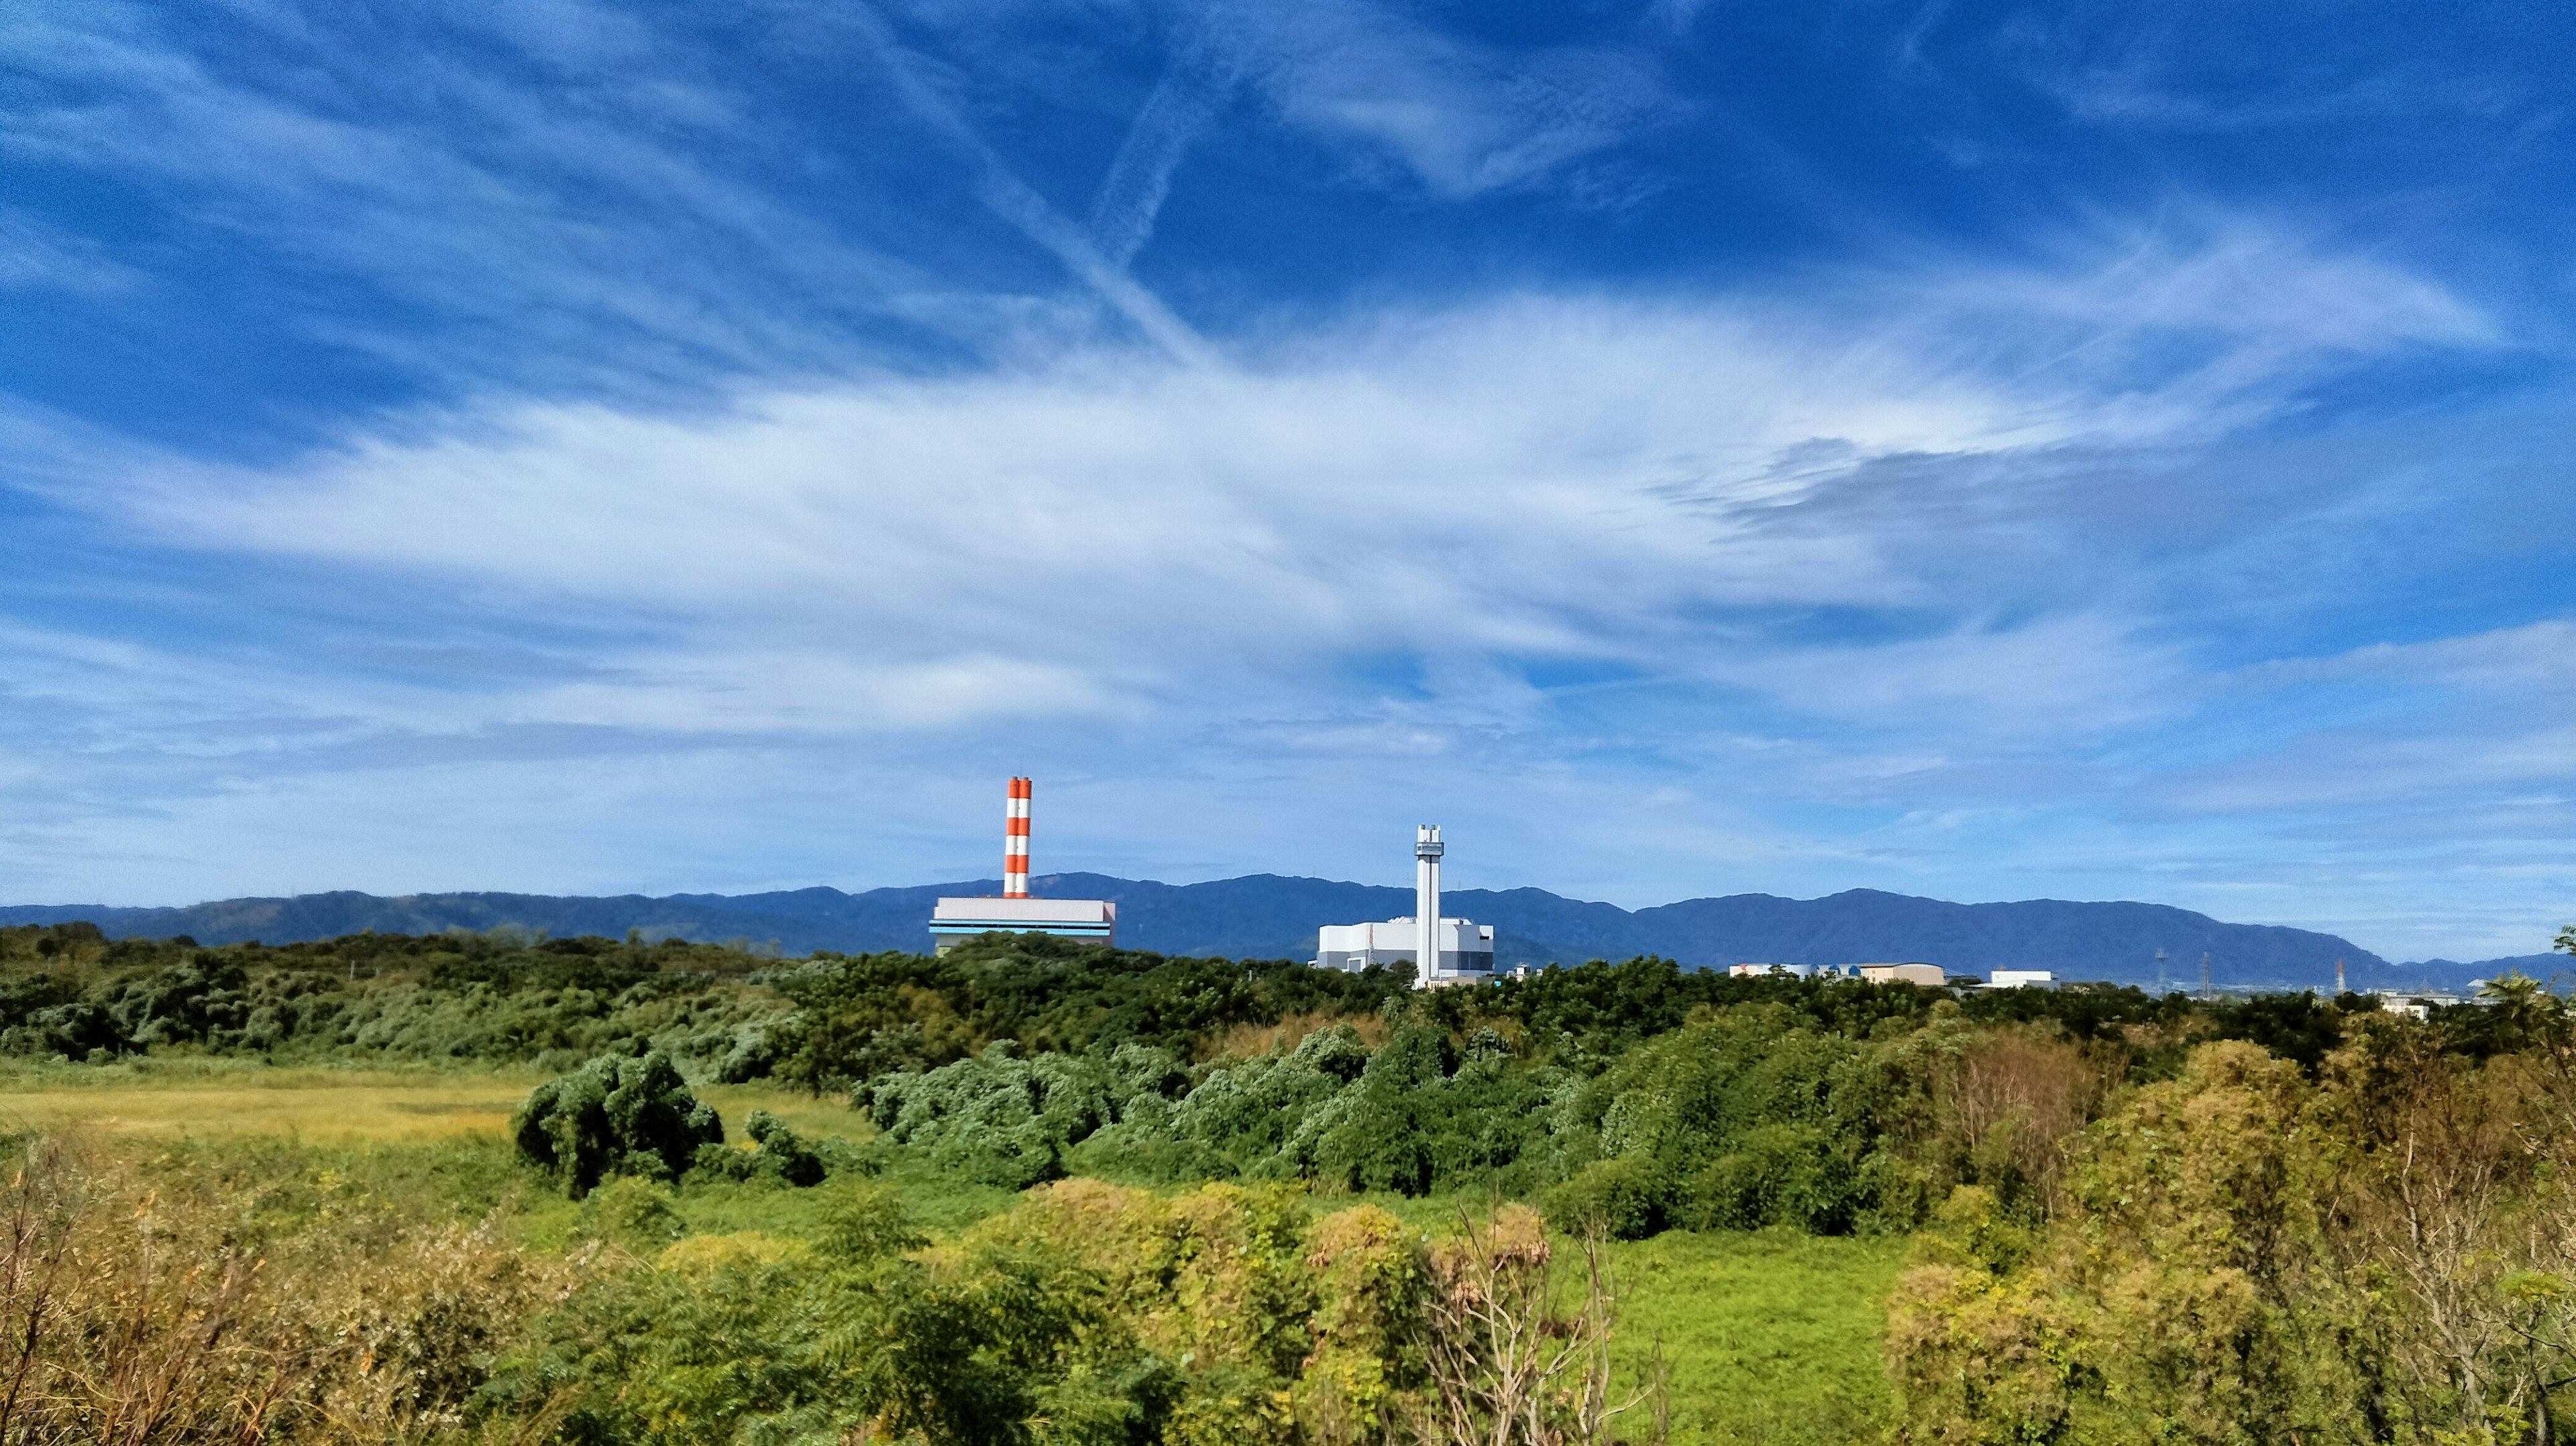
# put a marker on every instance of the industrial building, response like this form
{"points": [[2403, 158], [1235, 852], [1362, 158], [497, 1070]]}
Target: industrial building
{"points": [[1796, 971], [1460, 950], [953, 921]]}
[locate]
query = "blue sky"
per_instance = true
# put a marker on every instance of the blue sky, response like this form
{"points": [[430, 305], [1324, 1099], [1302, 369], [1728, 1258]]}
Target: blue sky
{"points": [[2093, 450]]}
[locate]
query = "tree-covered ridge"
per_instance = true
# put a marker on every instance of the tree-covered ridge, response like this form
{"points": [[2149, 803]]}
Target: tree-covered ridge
{"points": [[864, 1016], [502, 997]]}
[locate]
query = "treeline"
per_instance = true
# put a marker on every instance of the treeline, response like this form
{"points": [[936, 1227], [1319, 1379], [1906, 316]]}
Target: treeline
{"points": [[510, 996], [1634, 1097], [506, 996], [862, 1017]]}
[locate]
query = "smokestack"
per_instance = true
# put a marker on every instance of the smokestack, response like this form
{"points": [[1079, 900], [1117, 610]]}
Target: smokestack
{"points": [[1015, 841], [2339, 978], [1426, 902]]}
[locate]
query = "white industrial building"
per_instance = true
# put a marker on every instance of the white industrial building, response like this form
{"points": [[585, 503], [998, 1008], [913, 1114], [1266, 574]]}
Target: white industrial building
{"points": [[1461, 950], [954, 921], [1465, 948], [2021, 979]]}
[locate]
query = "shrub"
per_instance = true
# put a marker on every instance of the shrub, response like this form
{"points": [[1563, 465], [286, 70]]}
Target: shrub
{"points": [[615, 1116], [781, 1155], [1624, 1198], [1737, 1120], [634, 1213]]}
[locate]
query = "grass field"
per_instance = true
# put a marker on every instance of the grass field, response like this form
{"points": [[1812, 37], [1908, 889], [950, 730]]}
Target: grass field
{"points": [[234, 1097], [1769, 1337]]}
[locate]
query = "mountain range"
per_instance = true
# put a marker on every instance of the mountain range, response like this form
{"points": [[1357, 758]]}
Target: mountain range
{"points": [[1270, 916]]}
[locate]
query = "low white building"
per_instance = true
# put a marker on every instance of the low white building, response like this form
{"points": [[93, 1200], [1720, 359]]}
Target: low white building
{"points": [[1442, 951], [2021, 979], [953, 921], [1465, 947], [1749, 971]]}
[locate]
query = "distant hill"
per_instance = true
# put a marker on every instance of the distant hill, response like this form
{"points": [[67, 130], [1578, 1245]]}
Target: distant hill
{"points": [[1269, 916]]}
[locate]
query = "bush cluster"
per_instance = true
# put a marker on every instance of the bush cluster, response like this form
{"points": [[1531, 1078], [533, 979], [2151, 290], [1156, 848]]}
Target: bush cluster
{"points": [[635, 1116], [1412, 1116], [1089, 1314]]}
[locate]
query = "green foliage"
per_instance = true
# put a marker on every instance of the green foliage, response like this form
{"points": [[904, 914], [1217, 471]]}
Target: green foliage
{"points": [[2085, 1011], [2245, 1254], [2298, 1027], [1585, 1017], [1006, 1120], [866, 1224], [1770, 1337], [614, 1115], [867, 1016], [1414, 1116], [1089, 1315], [632, 1212], [1740, 1119], [779, 1156], [502, 997]]}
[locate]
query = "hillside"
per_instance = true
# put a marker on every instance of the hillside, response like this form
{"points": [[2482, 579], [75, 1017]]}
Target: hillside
{"points": [[1270, 916]]}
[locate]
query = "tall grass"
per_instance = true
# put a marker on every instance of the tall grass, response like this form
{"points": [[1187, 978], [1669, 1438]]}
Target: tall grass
{"points": [[176, 1306]]}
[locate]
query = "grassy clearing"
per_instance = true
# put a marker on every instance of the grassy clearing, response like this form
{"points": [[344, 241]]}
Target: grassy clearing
{"points": [[238, 1097], [1771, 1337], [321, 1105]]}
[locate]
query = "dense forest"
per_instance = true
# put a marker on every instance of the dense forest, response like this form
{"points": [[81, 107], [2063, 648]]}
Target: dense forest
{"points": [[2139, 1218]]}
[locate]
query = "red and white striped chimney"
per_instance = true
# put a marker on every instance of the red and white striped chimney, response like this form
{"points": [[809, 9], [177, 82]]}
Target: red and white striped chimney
{"points": [[1015, 841]]}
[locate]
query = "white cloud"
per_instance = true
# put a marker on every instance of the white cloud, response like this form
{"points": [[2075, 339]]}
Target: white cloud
{"points": [[2536, 659], [813, 691], [35, 255], [1464, 119], [2066, 679], [581, 228], [1499, 481], [1594, 478]]}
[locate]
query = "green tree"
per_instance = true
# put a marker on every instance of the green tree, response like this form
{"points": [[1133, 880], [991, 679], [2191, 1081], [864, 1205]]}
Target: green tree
{"points": [[615, 1115]]}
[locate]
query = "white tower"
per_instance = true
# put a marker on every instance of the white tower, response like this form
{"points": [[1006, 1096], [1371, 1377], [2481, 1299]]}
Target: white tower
{"points": [[1445, 951], [1426, 901]]}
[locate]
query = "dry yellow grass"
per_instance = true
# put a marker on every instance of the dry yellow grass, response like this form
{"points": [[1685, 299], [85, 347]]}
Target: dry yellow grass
{"points": [[327, 1104], [1244, 1041]]}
